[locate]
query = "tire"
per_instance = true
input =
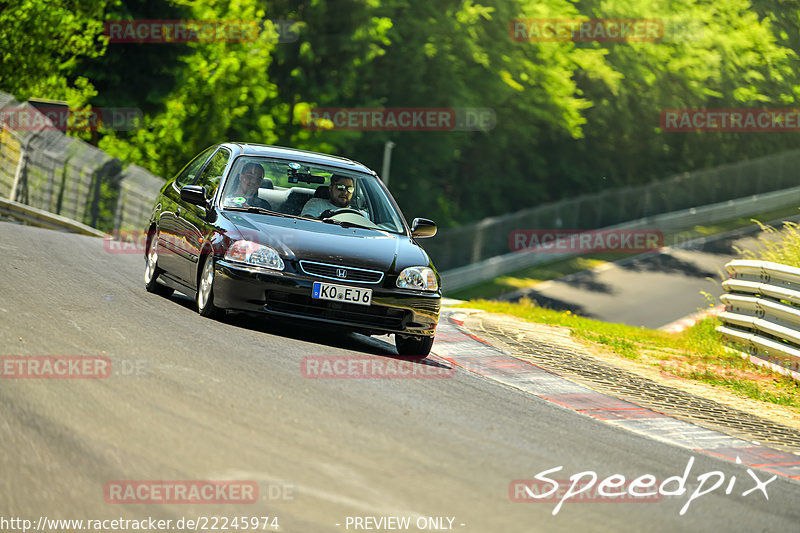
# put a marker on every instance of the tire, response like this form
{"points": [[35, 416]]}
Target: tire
{"points": [[415, 347], [151, 270], [205, 289]]}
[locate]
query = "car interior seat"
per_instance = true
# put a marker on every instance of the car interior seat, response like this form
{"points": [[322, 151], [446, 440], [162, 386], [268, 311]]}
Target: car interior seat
{"points": [[322, 192], [296, 200]]}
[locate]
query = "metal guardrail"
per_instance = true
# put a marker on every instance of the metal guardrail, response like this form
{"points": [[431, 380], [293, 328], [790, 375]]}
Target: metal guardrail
{"points": [[45, 219], [762, 311], [487, 269]]}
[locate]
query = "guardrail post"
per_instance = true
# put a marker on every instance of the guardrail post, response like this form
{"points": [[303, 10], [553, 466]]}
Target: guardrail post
{"points": [[104, 174], [21, 173], [18, 173]]}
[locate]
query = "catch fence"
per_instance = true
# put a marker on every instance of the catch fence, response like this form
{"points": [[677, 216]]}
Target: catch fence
{"points": [[44, 168], [488, 238]]}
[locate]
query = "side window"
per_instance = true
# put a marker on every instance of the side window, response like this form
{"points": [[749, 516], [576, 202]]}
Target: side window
{"points": [[212, 175], [189, 172]]}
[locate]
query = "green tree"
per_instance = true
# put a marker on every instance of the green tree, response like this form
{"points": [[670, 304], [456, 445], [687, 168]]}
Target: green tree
{"points": [[219, 88], [42, 43], [712, 55]]}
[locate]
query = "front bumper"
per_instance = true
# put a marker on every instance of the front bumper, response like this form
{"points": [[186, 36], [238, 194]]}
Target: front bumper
{"points": [[289, 295]]}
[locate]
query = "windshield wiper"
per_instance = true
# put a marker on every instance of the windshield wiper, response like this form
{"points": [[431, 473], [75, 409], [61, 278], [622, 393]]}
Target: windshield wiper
{"points": [[354, 225], [346, 224], [263, 210]]}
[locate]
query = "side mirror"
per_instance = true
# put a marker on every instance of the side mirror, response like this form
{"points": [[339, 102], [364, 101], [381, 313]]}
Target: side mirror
{"points": [[194, 194], [422, 228]]}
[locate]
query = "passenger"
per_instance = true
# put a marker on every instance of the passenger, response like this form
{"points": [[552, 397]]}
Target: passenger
{"points": [[247, 188]]}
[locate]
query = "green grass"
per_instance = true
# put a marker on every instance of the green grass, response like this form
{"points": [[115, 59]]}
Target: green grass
{"points": [[784, 249], [750, 389], [629, 339], [696, 353]]}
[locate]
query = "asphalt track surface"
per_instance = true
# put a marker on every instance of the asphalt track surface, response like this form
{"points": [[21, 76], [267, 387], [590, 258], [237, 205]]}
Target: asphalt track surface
{"points": [[226, 400], [650, 290]]}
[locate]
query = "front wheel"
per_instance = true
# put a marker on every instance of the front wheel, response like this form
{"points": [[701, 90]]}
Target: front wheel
{"points": [[409, 346], [205, 289]]}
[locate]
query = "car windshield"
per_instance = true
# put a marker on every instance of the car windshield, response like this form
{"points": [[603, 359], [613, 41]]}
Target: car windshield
{"points": [[310, 191]]}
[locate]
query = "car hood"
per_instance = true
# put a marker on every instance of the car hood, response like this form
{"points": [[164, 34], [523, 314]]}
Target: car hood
{"points": [[298, 239]]}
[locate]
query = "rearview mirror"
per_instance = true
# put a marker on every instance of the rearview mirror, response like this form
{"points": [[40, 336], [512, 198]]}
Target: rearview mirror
{"points": [[422, 228]]}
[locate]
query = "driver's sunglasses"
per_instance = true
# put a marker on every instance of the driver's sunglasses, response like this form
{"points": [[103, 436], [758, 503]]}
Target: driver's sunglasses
{"points": [[348, 188]]}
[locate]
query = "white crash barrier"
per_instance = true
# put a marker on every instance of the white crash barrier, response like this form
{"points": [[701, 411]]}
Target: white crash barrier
{"points": [[762, 311]]}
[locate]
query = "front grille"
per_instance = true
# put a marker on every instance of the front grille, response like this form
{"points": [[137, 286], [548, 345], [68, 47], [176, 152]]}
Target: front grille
{"points": [[373, 315], [325, 270]]}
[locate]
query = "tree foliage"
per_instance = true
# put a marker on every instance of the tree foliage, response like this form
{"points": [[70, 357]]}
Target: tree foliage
{"points": [[42, 43], [571, 117]]}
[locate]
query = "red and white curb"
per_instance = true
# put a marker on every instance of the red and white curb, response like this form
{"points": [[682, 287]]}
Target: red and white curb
{"points": [[458, 346], [691, 320]]}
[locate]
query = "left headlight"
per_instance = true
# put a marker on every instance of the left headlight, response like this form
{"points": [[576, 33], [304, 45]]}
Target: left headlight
{"points": [[254, 254], [419, 278]]}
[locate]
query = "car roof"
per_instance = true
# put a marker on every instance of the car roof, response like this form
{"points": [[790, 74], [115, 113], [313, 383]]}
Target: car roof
{"points": [[297, 155]]}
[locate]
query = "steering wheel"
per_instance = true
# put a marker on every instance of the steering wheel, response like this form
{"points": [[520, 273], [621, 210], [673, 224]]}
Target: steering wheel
{"points": [[328, 213]]}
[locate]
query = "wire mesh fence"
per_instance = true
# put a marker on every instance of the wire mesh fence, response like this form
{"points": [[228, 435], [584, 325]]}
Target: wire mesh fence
{"points": [[44, 168], [471, 243]]}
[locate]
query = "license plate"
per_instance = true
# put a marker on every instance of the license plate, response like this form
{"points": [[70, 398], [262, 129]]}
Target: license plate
{"points": [[341, 293]]}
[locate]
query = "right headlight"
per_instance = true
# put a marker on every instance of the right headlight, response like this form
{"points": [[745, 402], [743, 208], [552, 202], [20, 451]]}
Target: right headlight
{"points": [[418, 278], [254, 254]]}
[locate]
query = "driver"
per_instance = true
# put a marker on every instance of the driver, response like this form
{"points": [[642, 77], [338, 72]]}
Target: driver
{"points": [[341, 193]]}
